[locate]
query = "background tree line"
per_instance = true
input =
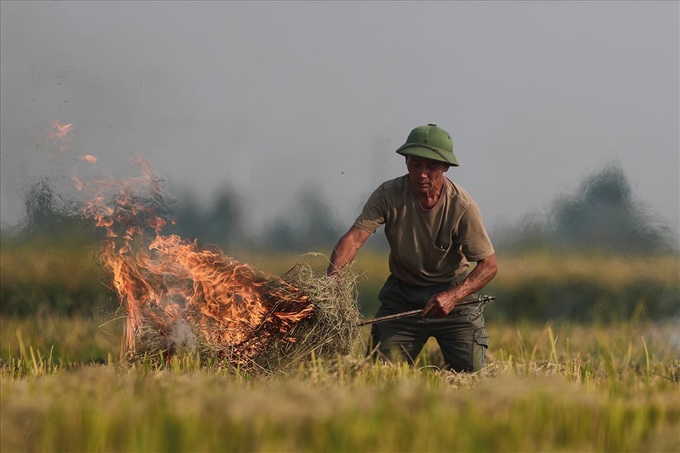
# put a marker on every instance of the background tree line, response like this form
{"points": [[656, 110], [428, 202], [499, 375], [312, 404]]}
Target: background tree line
{"points": [[602, 214], [50, 259]]}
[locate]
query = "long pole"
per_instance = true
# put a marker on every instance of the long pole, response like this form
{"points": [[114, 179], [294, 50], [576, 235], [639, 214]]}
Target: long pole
{"points": [[405, 314], [389, 317]]}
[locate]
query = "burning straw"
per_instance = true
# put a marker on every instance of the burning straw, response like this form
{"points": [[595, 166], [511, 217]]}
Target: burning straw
{"points": [[333, 327], [182, 297]]}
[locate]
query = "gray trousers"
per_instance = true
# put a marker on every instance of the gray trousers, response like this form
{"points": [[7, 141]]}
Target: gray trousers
{"points": [[461, 335]]}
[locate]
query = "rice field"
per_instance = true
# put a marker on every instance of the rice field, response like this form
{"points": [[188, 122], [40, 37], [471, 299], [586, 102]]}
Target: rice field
{"points": [[547, 388], [556, 386]]}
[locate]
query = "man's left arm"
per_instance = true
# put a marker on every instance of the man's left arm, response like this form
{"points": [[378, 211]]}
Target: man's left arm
{"points": [[443, 303]]}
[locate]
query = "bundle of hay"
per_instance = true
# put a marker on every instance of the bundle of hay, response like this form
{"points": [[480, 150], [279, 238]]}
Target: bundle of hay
{"points": [[181, 297], [232, 314], [332, 329]]}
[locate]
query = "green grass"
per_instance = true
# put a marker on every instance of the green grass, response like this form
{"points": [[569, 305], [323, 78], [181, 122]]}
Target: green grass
{"points": [[554, 387], [64, 277]]}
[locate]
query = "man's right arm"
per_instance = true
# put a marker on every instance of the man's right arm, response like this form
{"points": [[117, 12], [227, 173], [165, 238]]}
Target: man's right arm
{"points": [[346, 249]]}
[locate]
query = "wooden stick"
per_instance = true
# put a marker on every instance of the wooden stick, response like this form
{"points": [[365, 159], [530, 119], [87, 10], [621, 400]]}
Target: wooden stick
{"points": [[389, 317], [482, 299]]}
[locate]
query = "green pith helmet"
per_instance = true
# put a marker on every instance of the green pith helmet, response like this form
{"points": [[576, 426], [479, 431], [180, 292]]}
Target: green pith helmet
{"points": [[430, 142]]}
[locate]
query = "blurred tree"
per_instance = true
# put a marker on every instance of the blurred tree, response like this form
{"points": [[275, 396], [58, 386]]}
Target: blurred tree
{"points": [[187, 215], [308, 225], [220, 223], [602, 214], [319, 221], [281, 235], [42, 216], [48, 216]]}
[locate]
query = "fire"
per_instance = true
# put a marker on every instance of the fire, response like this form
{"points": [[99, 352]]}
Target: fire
{"points": [[62, 134], [78, 183], [62, 130], [174, 288], [89, 158]]}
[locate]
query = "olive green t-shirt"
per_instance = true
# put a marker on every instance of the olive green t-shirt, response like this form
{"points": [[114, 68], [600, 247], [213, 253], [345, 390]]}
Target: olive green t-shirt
{"points": [[427, 247]]}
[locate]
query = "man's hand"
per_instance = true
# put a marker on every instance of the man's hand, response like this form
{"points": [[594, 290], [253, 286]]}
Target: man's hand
{"points": [[441, 304]]}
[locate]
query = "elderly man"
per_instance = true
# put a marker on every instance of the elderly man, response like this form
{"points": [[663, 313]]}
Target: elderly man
{"points": [[435, 232]]}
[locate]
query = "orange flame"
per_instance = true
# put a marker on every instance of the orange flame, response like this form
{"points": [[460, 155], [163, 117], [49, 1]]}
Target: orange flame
{"points": [[62, 134], [78, 183], [165, 281], [89, 158], [62, 130]]}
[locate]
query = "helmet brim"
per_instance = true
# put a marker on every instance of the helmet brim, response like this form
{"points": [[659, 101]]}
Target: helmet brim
{"points": [[432, 153]]}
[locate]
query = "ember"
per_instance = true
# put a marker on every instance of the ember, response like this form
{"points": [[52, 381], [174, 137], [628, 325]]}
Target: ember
{"points": [[179, 296], [61, 134], [62, 131]]}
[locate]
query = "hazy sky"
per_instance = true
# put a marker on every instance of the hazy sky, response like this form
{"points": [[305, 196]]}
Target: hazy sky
{"points": [[273, 97]]}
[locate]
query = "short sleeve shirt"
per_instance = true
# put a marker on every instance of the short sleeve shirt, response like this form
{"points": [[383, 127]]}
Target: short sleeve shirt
{"points": [[427, 247]]}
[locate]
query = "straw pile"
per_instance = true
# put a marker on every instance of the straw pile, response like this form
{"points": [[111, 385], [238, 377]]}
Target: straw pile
{"points": [[306, 313], [181, 297], [332, 329]]}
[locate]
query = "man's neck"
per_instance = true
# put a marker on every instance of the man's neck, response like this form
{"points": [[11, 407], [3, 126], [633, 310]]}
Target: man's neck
{"points": [[429, 200]]}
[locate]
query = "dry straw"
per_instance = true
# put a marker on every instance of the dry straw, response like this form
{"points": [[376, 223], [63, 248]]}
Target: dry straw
{"points": [[328, 327], [333, 327], [181, 297]]}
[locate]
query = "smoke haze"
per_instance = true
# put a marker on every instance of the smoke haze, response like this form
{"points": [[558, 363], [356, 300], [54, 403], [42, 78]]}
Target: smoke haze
{"points": [[275, 98]]}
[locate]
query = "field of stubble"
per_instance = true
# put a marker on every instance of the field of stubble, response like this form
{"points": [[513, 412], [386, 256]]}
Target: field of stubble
{"points": [[549, 386]]}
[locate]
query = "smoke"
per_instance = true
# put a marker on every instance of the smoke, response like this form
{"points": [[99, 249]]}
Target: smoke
{"points": [[181, 337]]}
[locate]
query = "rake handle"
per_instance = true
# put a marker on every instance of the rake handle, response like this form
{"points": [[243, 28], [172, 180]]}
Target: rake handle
{"points": [[405, 314], [389, 317]]}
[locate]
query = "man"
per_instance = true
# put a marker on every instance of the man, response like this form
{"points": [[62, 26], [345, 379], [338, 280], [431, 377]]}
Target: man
{"points": [[435, 231]]}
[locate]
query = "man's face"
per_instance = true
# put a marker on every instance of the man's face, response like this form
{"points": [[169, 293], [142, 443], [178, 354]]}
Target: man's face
{"points": [[425, 174]]}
